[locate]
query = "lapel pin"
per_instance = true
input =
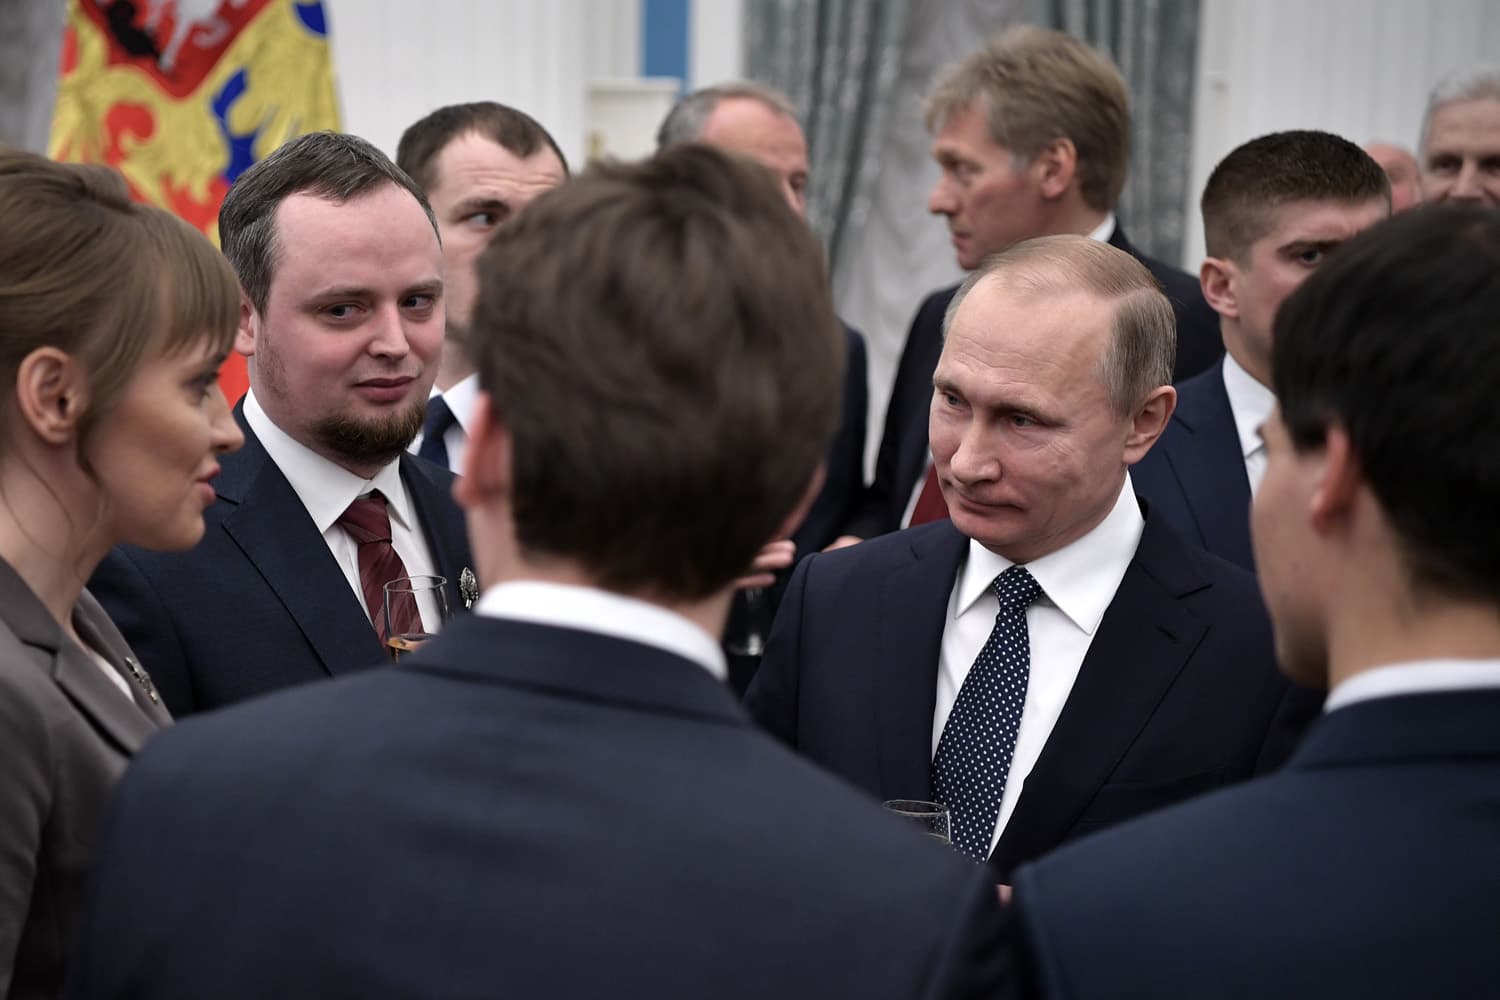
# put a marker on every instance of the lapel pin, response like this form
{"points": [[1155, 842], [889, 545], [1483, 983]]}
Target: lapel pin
{"points": [[142, 678], [468, 587]]}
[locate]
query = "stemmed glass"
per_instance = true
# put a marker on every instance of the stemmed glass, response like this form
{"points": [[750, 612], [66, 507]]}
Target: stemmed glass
{"points": [[932, 817], [410, 588]]}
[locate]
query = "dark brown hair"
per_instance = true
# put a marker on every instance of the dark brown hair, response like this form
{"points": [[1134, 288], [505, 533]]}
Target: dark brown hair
{"points": [[86, 270], [511, 130], [1255, 179], [329, 165], [660, 341]]}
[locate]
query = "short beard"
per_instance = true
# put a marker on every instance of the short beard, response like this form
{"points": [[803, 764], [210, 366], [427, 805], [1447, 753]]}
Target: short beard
{"points": [[371, 442]]}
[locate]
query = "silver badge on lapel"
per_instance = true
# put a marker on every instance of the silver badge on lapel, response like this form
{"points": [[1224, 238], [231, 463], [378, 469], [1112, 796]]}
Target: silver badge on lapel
{"points": [[468, 587], [142, 678]]}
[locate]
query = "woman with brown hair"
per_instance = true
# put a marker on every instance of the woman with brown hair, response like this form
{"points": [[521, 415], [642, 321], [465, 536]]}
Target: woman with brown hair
{"points": [[114, 319]]}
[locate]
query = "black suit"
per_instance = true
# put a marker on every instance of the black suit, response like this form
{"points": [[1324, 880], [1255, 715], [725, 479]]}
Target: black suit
{"points": [[1194, 476], [517, 810], [1177, 694], [260, 603], [902, 460], [1367, 867]]}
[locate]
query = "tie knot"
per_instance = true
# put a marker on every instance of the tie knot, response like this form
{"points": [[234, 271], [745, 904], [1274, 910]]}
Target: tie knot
{"points": [[1016, 589], [439, 418], [367, 519]]}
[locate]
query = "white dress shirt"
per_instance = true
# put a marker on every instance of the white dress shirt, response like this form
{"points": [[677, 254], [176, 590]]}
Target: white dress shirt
{"points": [[593, 610], [1419, 677], [1102, 233], [327, 490], [461, 398], [1079, 582], [1251, 403]]}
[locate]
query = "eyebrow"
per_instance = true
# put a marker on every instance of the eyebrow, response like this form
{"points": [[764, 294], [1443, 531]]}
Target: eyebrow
{"points": [[477, 202]]}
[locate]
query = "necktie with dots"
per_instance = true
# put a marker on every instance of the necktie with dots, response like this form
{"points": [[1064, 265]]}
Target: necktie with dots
{"points": [[973, 756]]}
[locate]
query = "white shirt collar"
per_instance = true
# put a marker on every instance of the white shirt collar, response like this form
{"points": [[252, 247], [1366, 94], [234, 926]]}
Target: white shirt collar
{"points": [[1420, 677], [461, 397], [1104, 230], [594, 610], [1250, 402], [1080, 579], [325, 488]]}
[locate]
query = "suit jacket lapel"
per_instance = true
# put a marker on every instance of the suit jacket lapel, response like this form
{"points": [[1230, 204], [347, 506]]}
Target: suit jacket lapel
{"points": [[74, 672], [93, 624], [913, 606], [1207, 462], [1141, 645], [442, 521], [278, 537]]}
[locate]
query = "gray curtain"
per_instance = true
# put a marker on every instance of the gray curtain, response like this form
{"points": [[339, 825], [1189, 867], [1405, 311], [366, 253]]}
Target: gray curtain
{"points": [[837, 60], [30, 57], [1155, 44]]}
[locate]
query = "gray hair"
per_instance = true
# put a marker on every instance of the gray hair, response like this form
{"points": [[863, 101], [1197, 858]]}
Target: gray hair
{"points": [[685, 122], [1143, 339], [1471, 84]]}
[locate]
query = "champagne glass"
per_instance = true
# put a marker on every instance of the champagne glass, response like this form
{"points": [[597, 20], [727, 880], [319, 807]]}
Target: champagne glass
{"points": [[404, 631], [754, 613], [931, 817]]}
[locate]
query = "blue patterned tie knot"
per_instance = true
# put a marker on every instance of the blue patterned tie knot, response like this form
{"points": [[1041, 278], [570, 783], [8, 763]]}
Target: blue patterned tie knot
{"points": [[1016, 589], [972, 763]]}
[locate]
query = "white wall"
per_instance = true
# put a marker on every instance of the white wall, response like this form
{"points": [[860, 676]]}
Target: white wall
{"points": [[395, 61], [1359, 68]]}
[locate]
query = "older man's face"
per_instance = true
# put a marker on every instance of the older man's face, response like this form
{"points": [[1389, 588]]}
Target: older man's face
{"points": [[754, 129], [1461, 155], [1030, 451]]}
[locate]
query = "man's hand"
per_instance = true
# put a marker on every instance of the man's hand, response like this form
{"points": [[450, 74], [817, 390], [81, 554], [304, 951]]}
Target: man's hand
{"points": [[842, 542], [1004, 891], [775, 556]]}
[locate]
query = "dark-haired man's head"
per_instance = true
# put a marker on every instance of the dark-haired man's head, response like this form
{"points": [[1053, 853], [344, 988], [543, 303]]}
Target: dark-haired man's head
{"points": [[1273, 209], [658, 389], [338, 256], [1461, 139], [1032, 134], [1381, 468], [749, 119], [480, 164]]}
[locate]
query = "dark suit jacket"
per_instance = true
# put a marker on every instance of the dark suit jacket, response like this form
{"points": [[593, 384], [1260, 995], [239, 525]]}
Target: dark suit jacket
{"points": [[1368, 867], [1178, 693], [844, 468], [260, 602], [902, 459], [1194, 476], [517, 810], [66, 733]]}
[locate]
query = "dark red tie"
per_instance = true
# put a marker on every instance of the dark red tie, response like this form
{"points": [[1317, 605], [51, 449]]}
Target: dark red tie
{"points": [[369, 524], [930, 503]]}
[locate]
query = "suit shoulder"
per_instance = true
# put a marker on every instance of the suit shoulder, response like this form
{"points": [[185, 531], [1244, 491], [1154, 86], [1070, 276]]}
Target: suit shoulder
{"points": [[935, 305]]}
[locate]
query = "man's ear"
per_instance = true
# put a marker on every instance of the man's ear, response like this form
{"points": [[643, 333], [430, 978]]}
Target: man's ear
{"points": [[1219, 279], [487, 459], [1149, 422], [1055, 167], [246, 334], [52, 393], [1338, 483]]}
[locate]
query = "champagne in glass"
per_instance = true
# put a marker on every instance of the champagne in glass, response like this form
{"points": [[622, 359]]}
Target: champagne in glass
{"points": [[406, 624]]}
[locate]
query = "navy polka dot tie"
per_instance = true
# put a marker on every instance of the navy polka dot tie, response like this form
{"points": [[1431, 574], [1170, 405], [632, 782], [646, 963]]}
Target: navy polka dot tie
{"points": [[979, 738]]}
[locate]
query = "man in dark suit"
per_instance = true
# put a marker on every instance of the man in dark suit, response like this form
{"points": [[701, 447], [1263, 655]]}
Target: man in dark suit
{"points": [[1367, 867], [557, 796], [1273, 209], [342, 322], [479, 164], [1032, 134], [759, 122], [1128, 672]]}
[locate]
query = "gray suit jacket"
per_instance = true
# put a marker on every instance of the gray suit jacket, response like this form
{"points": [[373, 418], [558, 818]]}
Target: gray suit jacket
{"points": [[66, 733]]}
